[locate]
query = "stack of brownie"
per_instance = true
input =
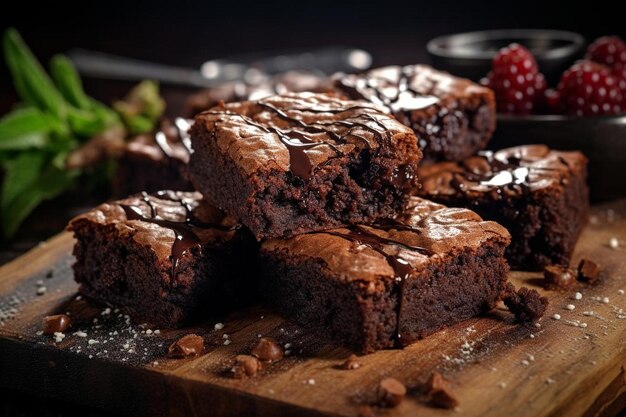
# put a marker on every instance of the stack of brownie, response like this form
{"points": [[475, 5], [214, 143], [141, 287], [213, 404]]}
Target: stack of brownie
{"points": [[320, 194]]}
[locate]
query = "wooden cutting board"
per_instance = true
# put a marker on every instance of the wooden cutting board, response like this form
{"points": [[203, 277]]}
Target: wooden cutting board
{"points": [[563, 367]]}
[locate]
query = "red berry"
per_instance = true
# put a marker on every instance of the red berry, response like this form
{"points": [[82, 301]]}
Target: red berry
{"points": [[608, 50], [620, 74], [516, 80], [588, 88]]}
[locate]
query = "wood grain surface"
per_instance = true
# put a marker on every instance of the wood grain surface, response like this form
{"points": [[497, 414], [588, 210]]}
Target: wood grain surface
{"points": [[574, 366]]}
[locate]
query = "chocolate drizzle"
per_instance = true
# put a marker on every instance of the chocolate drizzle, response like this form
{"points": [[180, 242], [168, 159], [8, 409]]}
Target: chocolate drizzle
{"points": [[512, 173], [297, 139], [185, 236], [168, 137], [401, 267], [393, 92]]}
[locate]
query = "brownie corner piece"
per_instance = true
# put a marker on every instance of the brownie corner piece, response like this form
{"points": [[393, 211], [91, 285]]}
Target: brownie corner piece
{"points": [[155, 161], [389, 284], [166, 258], [453, 117], [295, 163], [540, 195]]}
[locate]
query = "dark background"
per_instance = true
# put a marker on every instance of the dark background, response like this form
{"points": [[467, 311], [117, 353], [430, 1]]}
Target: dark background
{"points": [[187, 33]]}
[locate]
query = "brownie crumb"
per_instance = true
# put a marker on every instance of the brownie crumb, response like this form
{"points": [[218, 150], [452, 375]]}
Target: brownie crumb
{"points": [[56, 324], [588, 271], [558, 276], [526, 304], [245, 366], [267, 350], [391, 392], [189, 345], [439, 393], [351, 363], [366, 411]]}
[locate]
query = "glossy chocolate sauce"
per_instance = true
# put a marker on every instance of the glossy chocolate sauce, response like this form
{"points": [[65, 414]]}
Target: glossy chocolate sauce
{"points": [[505, 173], [401, 267], [163, 141], [394, 93], [185, 237], [297, 140]]}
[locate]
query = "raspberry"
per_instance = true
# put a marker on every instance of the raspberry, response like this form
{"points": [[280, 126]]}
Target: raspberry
{"points": [[516, 80], [608, 50], [589, 88], [620, 74]]}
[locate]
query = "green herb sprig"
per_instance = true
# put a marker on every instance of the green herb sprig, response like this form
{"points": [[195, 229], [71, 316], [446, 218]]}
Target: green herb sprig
{"points": [[41, 140]]}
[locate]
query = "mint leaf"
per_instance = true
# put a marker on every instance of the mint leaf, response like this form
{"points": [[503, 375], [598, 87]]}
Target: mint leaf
{"points": [[68, 82], [23, 129], [31, 81], [30, 180]]}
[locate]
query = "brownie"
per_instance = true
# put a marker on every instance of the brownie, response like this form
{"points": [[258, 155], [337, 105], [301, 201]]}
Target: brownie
{"points": [[452, 117], [391, 283], [539, 195], [165, 258], [155, 161], [295, 81], [296, 163]]}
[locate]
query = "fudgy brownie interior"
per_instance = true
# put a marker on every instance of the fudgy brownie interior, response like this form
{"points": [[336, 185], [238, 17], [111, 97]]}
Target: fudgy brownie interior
{"points": [[296, 163]]}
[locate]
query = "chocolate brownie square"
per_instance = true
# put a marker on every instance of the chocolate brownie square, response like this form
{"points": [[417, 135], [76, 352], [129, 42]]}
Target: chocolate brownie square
{"points": [[296, 163], [164, 258], [390, 283], [452, 117], [155, 161], [539, 195]]}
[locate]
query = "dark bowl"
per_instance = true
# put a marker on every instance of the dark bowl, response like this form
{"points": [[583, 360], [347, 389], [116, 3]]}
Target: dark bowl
{"points": [[601, 138], [469, 54]]}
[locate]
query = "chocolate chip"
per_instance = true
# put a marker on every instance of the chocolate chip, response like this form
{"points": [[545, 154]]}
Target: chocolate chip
{"points": [[267, 349], [366, 411], [245, 366], [558, 276], [439, 393], [588, 271], [56, 323], [351, 363], [50, 273], [189, 345], [391, 392], [526, 304]]}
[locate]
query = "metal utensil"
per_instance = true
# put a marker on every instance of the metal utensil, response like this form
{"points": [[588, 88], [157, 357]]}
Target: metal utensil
{"points": [[214, 72]]}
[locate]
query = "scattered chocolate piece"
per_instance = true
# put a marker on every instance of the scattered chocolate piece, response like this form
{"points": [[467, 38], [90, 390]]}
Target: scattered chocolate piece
{"points": [[56, 324], [588, 271], [526, 304], [558, 276], [268, 350], [351, 363], [50, 273], [366, 411], [189, 345], [245, 366], [439, 393], [391, 392]]}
